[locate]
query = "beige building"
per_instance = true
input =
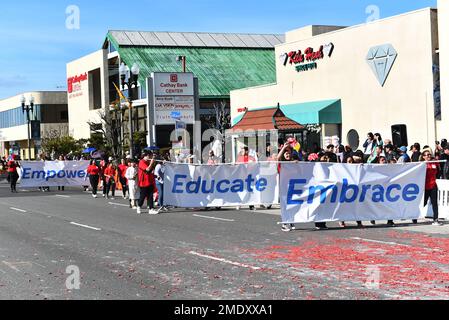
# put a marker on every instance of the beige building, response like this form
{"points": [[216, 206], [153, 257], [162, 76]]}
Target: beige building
{"points": [[87, 92], [50, 109], [381, 76], [443, 32]]}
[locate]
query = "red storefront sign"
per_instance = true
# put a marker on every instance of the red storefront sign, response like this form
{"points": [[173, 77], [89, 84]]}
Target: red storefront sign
{"points": [[73, 80], [308, 55]]}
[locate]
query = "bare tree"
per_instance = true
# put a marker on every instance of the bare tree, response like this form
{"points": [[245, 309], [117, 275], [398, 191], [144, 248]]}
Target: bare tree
{"points": [[110, 128]]}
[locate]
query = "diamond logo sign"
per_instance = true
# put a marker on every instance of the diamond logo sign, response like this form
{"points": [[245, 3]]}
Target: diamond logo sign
{"points": [[381, 60]]}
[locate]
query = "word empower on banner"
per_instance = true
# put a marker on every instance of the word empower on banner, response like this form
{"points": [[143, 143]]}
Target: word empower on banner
{"points": [[360, 193], [29, 173]]}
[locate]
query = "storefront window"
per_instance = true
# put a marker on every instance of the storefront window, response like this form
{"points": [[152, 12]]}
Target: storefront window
{"points": [[353, 139]]}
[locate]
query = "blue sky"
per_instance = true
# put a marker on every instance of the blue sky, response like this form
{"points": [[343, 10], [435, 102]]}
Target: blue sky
{"points": [[36, 45]]}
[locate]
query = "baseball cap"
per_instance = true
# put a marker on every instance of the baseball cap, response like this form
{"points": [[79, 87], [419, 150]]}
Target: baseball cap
{"points": [[403, 149]]}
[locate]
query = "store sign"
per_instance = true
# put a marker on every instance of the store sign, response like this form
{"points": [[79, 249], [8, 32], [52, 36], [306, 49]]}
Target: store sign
{"points": [[74, 87], [173, 84], [307, 59], [174, 95], [381, 60]]}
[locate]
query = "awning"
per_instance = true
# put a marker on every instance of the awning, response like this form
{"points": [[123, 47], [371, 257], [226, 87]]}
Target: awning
{"points": [[317, 112], [267, 119]]}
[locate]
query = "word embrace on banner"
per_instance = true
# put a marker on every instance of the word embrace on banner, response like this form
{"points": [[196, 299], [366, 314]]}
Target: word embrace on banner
{"points": [[321, 192], [192, 186], [53, 173]]}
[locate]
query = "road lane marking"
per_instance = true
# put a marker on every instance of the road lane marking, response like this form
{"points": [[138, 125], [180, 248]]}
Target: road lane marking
{"points": [[238, 264], [85, 226], [119, 204], [16, 209], [62, 196], [214, 218], [395, 244], [383, 242]]}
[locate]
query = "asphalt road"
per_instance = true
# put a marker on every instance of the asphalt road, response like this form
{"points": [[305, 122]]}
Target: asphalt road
{"points": [[194, 255]]}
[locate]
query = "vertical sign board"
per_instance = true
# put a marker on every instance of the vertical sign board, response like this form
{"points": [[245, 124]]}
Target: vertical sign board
{"points": [[173, 93]]}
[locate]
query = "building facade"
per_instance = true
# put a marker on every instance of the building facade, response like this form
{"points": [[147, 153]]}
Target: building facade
{"points": [[219, 62], [381, 77], [50, 108]]}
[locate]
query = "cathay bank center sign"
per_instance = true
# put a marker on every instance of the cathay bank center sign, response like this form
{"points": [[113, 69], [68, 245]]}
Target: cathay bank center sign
{"points": [[174, 98]]}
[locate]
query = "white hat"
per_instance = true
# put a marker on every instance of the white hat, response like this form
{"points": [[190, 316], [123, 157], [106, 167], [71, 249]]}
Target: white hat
{"points": [[111, 158]]}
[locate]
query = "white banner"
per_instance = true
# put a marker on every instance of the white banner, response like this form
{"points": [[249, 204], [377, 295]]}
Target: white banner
{"points": [[321, 192], [53, 173], [191, 186]]}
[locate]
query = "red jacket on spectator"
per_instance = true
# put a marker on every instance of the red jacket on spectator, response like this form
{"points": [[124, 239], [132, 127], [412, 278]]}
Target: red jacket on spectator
{"points": [[431, 176], [122, 170], [109, 172], [146, 179], [93, 170], [245, 159]]}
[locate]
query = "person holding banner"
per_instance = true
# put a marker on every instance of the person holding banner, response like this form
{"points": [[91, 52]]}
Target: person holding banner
{"points": [[61, 158], [13, 175], [244, 157], [159, 172], [94, 177], [431, 191], [146, 183]]}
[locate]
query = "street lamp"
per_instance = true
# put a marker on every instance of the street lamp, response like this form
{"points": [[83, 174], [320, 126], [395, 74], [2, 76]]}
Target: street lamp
{"points": [[27, 108], [183, 59], [132, 76]]}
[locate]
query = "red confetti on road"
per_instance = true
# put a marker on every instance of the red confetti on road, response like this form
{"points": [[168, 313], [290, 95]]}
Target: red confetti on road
{"points": [[417, 269]]}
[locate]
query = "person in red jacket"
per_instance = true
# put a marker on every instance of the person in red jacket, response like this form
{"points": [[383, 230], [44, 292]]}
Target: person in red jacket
{"points": [[109, 174], [431, 192], [146, 182], [121, 175], [94, 177], [13, 176]]}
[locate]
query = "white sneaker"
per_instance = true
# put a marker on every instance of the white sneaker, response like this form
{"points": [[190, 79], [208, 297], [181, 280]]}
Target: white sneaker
{"points": [[139, 210], [95, 196], [104, 196], [152, 211], [437, 223], [134, 208], [238, 208], [112, 198], [286, 228], [165, 209]]}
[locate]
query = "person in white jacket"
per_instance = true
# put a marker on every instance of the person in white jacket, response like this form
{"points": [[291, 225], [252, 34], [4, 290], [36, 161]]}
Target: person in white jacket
{"points": [[132, 176]]}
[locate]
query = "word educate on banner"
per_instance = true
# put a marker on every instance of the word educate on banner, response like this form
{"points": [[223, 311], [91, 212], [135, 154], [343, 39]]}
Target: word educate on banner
{"points": [[188, 186], [357, 193], [221, 186]]}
